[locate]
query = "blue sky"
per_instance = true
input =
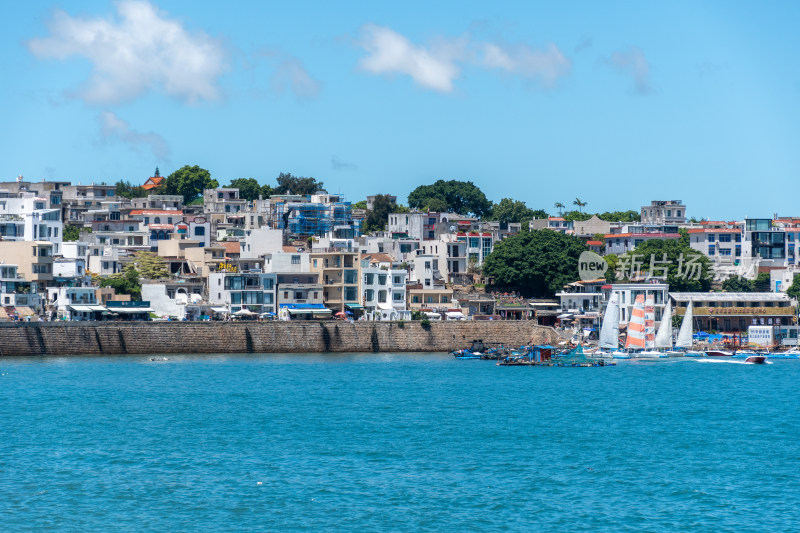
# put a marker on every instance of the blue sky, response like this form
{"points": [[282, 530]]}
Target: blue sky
{"points": [[617, 103]]}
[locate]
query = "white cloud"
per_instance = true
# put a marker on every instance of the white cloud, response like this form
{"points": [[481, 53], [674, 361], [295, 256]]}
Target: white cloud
{"points": [[140, 51], [547, 66], [113, 128], [439, 64], [292, 75], [389, 53], [632, 62]]}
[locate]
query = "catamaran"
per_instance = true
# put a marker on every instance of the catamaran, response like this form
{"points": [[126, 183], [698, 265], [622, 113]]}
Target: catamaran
{"points": [[684, 340], [664, 336], [609, 331], [641, 330]]}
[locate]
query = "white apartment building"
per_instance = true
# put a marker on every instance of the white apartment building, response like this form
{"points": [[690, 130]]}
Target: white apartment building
{"points": [[664, 212], [384, 293]]}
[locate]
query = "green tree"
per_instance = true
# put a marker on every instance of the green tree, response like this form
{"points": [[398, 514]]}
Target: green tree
{"points": [[150, 265], [794, 289], [126, 190], [249, 188], [288, 184], [462, 197], [737, 284], [125, 282], [73, 233], [611, 273], [762, 282], [509, 210], [539, 213], [378, 216], [681, 273], [560, 207], [580, 204], [575, 216], [620, 216], [189, 182], [535, 263], [361, 204]]}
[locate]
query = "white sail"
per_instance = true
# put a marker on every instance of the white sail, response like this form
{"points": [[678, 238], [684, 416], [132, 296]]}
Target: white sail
{"points": [[609, 331], [649, 323], [664, 335], [686, 331]]}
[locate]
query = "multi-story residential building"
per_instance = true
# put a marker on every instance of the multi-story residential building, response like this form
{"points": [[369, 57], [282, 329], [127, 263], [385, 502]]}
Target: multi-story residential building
{"points": [[553, 223], [722, 244], [384, 292], [240, 290], [79, 199], [438, 299], [34, 260], [339, 273], [26, 217], [735, 311], [261, 241], [300, 296], [589, 228], [103, 259], [223, 200], [627, 293], [16, 291], [424, 226], [75, 303], [173, 298], [158, 202], [632, 235], [425, 270], [664, 212], [764, 243]]}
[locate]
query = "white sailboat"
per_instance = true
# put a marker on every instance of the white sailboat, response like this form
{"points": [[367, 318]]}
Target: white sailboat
{"points": [[664, 335], [609, 331], [684, 340]]}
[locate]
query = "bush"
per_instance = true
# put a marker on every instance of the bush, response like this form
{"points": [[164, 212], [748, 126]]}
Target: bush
{"points": [[425, 323], [401, 325]]}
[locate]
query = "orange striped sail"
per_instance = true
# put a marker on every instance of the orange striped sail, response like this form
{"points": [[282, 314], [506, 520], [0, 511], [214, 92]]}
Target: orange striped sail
{"points": [[635, 339], [649, 323]]}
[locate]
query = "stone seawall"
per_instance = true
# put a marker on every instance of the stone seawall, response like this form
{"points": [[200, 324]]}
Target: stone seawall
{"points": [[109, 338]]}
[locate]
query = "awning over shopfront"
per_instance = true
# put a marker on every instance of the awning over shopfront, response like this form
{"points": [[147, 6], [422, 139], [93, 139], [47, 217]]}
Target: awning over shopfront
{"points": [[306, 309], [132, 310], [24, 311], [220, 310], [87, 308], [354, 307]]}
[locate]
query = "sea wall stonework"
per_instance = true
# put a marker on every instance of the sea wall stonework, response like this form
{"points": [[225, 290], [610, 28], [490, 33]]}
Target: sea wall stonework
{"points": [[111, 338]]}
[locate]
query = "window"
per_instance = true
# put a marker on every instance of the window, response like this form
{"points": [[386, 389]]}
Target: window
{"points": [[711, 237], [429, 299], [285, 295], [397, 296], [315, 263], [738, 250], [397, 280], [726, 237], [295, 259], [131, 228], [199, 231], [369, 295], [369, 279], [427, 265], [711, 250], [415, 299], [381, 296], [157, 220], [444, 299], [427, 283], [169, 220]]}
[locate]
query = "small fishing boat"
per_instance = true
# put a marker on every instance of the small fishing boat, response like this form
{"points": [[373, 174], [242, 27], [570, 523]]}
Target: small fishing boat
{"points": [[719, 353], [756, 359]]}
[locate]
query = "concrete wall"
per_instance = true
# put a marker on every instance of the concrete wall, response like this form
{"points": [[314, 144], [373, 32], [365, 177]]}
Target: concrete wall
{"points": [[54, 338]]}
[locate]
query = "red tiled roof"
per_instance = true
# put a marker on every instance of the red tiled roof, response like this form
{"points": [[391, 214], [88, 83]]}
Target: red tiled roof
{"points": [[152, 182], [594, 243], [232, 247]]}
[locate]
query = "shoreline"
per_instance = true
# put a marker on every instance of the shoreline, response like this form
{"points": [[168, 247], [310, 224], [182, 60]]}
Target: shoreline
{"points": [[145, 338]]}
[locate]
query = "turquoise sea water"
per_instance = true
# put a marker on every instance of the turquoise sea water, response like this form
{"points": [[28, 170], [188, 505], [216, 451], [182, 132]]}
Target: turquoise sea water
{"points": [[396, 443]]}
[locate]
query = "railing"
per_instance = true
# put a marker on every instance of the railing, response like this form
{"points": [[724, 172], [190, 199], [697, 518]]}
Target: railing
{"points": [[738, 311]]}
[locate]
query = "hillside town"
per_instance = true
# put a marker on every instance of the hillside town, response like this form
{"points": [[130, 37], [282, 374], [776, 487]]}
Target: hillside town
{"points": [[84, 252]]}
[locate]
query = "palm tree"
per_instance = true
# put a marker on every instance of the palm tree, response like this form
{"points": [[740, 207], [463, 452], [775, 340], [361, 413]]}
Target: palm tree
{"points": [[560, 207], [580, 204]]}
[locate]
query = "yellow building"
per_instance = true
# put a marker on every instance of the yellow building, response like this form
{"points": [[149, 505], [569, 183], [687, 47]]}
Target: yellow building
{"points": [[34, 259], [340, 276]]}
